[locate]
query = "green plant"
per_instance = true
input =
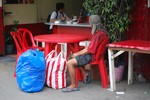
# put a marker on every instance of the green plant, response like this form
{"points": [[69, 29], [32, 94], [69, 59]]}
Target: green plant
{"points": [[14, 29], [92, 6], [115, 15], [8, 37]]}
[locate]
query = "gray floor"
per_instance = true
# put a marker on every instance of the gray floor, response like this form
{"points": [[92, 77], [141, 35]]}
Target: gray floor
{"points": [[93, 91]]}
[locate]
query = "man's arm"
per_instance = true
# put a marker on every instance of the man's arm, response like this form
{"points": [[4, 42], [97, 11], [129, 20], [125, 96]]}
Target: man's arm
{"points": [[66, 17], [52, 20], [82, 52]]}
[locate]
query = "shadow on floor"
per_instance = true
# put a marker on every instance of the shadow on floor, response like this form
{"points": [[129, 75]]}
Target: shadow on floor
{"points": [[8, 58]]}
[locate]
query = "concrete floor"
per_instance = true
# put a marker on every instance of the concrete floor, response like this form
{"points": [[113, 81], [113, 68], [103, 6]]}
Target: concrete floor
{"points": [[93, 91]]}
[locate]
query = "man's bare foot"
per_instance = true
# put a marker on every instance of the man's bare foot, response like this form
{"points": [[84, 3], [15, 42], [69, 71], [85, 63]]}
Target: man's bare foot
{"points": [[87, 78], [72, 86]]}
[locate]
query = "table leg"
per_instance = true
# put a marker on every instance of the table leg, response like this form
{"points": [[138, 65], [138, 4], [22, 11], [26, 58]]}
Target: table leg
{"points": [[64, 49], [111, 70], [48, 48], [130, 68], [74, 47], [43, 44]]}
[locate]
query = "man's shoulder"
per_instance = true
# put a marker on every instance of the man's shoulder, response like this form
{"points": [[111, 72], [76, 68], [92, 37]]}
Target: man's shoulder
{"points": [[99, 33], [54, 12]]}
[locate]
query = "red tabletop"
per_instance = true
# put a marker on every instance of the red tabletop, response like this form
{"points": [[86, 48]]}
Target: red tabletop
{"points": [[132, 44], [61, 38], [51, 40]]}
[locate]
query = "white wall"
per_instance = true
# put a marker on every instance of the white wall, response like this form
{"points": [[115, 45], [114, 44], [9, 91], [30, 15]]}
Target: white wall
{"points": [[24, 13], [0, 3]]}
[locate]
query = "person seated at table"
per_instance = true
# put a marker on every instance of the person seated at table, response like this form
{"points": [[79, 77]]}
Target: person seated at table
{"points": [[87, 55], [58, 14]]}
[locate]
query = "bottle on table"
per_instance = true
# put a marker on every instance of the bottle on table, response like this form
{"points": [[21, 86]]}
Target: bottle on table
{"points": [[80, 18]]}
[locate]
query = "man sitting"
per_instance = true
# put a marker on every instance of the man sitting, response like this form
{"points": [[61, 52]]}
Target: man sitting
{"points": [[87, 55]]}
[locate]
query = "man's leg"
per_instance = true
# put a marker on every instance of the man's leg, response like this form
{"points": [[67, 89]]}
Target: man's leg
{"points": [[86, 75], [83, 72], [72, 71]]}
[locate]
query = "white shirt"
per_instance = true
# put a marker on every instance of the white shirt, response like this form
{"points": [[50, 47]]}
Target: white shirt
{"points": [[58, 15]]}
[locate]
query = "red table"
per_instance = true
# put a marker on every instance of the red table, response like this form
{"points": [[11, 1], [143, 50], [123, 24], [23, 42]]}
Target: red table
{"points": [[131, 46], [72, 41], [51, 40]]}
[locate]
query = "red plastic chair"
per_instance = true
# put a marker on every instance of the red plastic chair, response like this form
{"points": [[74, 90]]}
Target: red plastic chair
{"points": [[28, 39], [19, 46], [19, 43], [20, 39], [101, 64]]}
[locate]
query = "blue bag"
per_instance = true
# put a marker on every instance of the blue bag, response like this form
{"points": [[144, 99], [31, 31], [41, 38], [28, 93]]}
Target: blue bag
{"points": [[30, 71]]}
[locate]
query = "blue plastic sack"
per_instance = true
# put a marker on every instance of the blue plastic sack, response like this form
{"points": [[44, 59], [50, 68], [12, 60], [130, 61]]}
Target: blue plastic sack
{"points": [[30, 71]]}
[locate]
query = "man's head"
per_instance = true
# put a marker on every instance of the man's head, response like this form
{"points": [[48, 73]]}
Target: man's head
{"points": [[60, 7], [95, 21]]}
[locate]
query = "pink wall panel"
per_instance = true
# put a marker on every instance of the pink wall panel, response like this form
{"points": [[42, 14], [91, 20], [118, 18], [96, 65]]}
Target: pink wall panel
{"points": [[148, 24], [2, 50], [139, 29]]}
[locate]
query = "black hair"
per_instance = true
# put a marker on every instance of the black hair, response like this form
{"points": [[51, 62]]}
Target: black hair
{"points": [[59, 6]]}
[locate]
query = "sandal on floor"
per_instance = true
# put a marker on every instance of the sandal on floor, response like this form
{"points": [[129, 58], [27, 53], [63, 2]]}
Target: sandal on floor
{"points": [[87, 78], [70, 89]]}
